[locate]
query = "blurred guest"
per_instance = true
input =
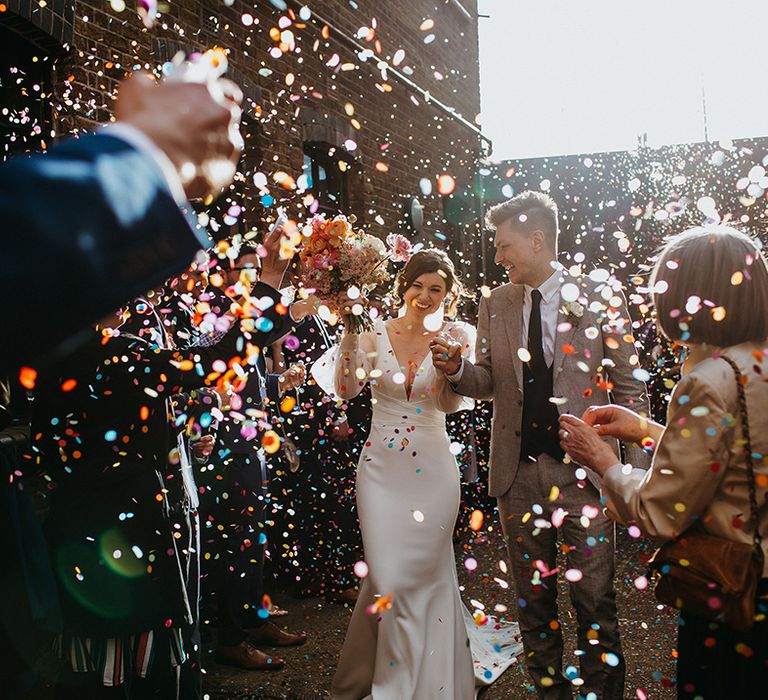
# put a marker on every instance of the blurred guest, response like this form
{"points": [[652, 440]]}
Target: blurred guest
{"points": [[710, 289], [321, 490], [234, 499], [122, 521], [29, 613]]}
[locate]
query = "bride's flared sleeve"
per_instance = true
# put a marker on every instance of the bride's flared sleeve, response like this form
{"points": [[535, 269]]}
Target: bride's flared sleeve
{"points": [[343, 370], [447, 399]]}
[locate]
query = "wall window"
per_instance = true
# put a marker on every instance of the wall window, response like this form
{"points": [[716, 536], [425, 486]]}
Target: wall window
{"points": [[327, 169]]}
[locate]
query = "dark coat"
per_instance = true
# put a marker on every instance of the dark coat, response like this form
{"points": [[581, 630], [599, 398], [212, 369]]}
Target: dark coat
{"points": [[94, 219], [117, 511]]}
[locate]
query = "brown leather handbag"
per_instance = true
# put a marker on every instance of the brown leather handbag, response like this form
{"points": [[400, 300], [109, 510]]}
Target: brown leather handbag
{"points": [[710, 576]]}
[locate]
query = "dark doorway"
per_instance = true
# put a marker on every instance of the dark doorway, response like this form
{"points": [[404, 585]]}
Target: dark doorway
{"points": [[25, 94]]}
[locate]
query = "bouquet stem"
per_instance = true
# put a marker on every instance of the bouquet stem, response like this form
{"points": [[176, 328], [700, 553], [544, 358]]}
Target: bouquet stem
{"points": [[362, 323]]}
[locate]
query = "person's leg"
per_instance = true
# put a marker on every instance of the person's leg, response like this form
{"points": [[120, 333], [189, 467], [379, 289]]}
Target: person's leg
{"points": [[238, 548], [715, 662], [341, 543], [191, 677], [589, 537], [250, 481], [699, 647], [532, 546]]}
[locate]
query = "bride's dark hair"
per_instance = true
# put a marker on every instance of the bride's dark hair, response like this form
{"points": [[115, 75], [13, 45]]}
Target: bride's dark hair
{"points": [[424, 262]]}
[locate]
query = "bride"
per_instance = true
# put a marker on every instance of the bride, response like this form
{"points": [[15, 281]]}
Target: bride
{"points": [[410, 636]]}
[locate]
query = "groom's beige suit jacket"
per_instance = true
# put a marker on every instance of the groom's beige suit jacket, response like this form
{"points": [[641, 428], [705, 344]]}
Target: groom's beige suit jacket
{"points": [[594, 361]]}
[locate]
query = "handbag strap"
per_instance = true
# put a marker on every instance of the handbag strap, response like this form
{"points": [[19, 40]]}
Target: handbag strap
{"points": [[748, 446]]}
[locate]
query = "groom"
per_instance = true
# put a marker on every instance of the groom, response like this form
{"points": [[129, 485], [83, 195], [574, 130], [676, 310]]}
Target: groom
{"points": [[548, 343]]}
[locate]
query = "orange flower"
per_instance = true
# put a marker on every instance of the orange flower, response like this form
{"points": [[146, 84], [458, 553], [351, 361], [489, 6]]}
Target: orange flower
{"points": [[317, 244], [337, 231]]}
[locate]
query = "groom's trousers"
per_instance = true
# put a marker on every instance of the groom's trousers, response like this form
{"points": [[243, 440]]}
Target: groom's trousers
{"points": [[526, 511]]}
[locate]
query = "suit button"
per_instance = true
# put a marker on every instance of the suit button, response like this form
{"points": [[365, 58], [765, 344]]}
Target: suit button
{"points": [[519, 403], [517, 433]]}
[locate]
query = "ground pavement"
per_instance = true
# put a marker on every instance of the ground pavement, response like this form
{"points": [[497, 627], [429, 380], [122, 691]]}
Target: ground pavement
{"points": [[648, 634]]}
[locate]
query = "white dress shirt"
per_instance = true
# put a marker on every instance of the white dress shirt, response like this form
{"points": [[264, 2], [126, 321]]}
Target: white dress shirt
{"points": [[550, 304], [549, 307]]}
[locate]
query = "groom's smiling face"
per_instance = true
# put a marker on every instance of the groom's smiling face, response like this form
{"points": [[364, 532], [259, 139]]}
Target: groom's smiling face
{"points": [[516, 252]]}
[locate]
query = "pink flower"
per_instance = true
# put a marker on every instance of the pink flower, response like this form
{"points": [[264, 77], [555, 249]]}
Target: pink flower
{"points": [[318, 223], [321, 262], [399, 247]]}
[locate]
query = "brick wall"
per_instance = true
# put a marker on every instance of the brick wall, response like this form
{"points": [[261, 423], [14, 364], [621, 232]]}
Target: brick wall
{"points": [[401, 139]]}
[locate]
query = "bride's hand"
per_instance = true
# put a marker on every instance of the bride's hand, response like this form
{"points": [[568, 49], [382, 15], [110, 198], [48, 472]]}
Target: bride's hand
{"points": [[446, 355], [345, 311], [292, 378]]}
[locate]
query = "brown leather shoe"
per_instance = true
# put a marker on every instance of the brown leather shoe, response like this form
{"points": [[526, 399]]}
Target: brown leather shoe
{"points": [[270, 635], [245, 656]]}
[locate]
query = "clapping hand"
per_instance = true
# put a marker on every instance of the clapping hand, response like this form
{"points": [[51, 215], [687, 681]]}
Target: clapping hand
{"points": [[446, 354], [584, 445], [341, 430], [203, 447], [305, 307], [273, 265]]}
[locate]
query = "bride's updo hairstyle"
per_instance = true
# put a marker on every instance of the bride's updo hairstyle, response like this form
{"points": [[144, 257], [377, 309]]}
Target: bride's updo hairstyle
{"points": [[424, 262]]}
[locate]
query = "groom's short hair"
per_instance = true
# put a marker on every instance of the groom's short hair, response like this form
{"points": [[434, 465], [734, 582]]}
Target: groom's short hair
{"points": [[532, 211]]}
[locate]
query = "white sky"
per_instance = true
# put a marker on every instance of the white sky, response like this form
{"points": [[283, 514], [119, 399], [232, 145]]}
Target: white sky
{"points": [[575, 76]]}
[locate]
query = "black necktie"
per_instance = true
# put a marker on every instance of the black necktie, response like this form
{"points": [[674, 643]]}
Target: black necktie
{"points": [[535, 346]]}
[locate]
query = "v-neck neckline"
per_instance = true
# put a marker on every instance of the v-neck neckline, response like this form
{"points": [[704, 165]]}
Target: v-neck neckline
{"points": [[408, 393]]}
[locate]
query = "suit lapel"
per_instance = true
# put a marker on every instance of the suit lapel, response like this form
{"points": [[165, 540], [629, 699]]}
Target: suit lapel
{"points": [[513, 324], [561, 339]]}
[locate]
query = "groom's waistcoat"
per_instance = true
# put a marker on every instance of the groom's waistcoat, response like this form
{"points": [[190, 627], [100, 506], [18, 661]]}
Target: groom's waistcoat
{"points": [[593, 354], [539, 427]]}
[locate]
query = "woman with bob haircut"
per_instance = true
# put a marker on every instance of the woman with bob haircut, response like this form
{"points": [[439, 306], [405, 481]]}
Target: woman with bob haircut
{"points": [[710, 291]]}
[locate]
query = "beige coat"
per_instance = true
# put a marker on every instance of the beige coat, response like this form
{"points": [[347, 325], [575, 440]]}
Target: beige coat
{"points": [[699, 469], [596, 344]]}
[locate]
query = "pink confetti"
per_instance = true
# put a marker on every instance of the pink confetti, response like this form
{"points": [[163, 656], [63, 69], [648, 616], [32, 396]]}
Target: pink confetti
{"points": [[574, 575]]}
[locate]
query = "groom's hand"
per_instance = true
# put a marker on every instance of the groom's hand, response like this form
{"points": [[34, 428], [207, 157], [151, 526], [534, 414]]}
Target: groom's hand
{"points": [[446, 355]]}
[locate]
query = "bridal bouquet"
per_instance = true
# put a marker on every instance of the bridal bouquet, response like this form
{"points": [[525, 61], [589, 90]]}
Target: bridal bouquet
{"points": [[340, 264]]}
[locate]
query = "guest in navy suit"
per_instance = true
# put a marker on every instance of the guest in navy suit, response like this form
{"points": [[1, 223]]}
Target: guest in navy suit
{"points": [[103, 218], [233, 501]]}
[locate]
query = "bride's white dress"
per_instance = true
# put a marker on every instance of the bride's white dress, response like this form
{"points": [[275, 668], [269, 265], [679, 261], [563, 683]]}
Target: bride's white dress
{"points": [[410, 637]]}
